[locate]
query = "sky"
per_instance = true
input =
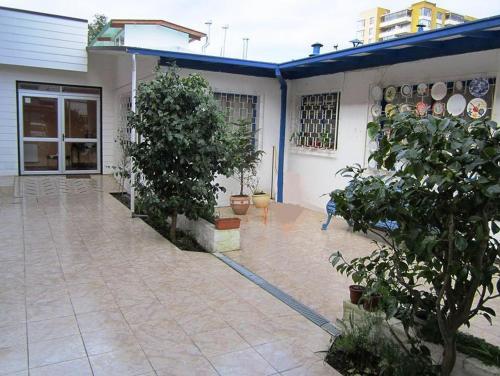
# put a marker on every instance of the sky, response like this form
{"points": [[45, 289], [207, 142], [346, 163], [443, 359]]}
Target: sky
{"points": [[278, 30]]}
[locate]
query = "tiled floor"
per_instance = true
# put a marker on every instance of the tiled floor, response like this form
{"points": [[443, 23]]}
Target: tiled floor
{"points": [[86, 290], [289, 249]]}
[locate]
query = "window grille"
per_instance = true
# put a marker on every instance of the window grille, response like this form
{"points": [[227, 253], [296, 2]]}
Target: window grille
{"points": [[237, 107], [317, 125]]}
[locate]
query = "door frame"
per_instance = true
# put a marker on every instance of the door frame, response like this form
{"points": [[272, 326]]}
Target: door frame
{"points": [[60, 96]]}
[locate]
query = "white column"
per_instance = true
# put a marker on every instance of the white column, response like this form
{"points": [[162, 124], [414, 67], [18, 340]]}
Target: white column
{"points": [[133, 137]]}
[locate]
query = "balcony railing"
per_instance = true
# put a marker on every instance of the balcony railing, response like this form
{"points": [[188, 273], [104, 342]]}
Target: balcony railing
{"points": [[394, 16], [455, 17]]}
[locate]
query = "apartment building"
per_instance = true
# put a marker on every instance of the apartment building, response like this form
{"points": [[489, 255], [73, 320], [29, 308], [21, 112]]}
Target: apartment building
{"points": [[380, 24]]}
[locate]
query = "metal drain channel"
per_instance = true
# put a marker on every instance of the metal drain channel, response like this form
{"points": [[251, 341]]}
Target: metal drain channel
{"points": [[304, 310]]}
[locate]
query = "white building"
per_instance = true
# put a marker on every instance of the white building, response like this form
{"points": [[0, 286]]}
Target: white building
{"points": [[62, 104]]}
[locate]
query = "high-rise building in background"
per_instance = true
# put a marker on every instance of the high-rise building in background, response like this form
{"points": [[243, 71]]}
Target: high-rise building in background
{"points": [[380, 24]]}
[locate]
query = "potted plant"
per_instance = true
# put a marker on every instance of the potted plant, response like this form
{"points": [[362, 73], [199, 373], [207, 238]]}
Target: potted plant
{"points": [[227, 223], [245, 159], [260, 198], [355, 293]]}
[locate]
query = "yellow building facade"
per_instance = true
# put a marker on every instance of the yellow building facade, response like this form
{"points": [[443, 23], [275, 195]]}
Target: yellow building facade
{"points": [[379, 24]]}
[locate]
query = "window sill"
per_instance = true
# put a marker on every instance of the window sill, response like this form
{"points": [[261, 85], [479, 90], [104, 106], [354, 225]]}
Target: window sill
{"points": [[304, 150]]}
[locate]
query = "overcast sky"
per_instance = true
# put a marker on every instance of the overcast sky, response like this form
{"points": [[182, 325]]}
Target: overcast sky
{"points": [[279, 30]]}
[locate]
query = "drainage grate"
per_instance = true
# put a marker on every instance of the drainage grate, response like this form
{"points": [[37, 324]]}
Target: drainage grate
{"points": [[304, 310], [79, 176]]}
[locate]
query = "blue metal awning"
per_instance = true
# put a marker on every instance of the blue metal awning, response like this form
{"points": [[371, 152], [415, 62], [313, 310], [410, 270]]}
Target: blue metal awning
{"points": [[480, 35]]}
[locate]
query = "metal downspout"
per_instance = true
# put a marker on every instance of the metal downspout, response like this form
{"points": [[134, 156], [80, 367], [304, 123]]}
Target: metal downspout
{"points": [[281, 146]]}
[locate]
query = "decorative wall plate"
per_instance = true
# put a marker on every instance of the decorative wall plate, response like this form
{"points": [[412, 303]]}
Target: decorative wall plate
{"points": [[456, 104], [422, 89], [439, 90], [438, 108], [376, 110], [376, 93], [390, 93], [390, 110], [422, 108], [478, 87], [406, 91], [405, 107], [477, 108], [459, 85]]}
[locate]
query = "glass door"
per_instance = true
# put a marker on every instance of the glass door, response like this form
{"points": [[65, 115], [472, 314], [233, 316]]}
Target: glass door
{"points": [[59, 133], [39, 133], [81, 135]]}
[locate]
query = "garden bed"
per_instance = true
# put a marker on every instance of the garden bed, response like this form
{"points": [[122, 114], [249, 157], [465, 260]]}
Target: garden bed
{"points": [[185, 241]]}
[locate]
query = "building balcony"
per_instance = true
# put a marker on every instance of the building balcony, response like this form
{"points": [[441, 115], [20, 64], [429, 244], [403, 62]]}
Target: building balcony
{"points": [[390, 19], [395, 32]]}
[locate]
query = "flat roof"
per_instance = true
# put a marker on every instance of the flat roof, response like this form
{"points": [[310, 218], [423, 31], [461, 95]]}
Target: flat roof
{"points": [[44, 14], [480, 35]]}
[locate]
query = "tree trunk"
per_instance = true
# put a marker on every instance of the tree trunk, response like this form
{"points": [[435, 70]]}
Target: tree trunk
{"points": [[173, 226], [242, 178], [449, 355]]}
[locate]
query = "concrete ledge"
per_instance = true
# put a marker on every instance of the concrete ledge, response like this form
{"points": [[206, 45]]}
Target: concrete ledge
{"points": [[209, 237], [464, 366]]}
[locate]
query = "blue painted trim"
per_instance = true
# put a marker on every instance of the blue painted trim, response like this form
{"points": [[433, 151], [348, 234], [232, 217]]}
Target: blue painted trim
{"points": [[281, 146]]}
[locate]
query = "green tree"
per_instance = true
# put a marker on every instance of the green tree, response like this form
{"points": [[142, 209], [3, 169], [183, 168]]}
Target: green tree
{"points": [[183, 146], [95, 27], [442, 188]]}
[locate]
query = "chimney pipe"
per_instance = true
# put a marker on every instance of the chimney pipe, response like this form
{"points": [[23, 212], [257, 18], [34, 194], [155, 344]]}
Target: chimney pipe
{"points": [[207, 39], [223, 49], [245, 48], [316, 49]]}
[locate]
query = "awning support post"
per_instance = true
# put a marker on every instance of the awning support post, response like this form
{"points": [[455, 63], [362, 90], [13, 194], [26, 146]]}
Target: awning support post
{"points": [[133, 137], [281, 145]]}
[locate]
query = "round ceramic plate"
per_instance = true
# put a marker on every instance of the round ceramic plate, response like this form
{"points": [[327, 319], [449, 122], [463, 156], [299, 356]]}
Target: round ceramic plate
{"points": [[376, 93], [406, 91], [422, 89], [478, 87], [405, 107], [438, 108], [376, 110], [456, 104], [390, 110], [477, 108], [459, 85], [421, 108], [438, 91], [390, 93]]}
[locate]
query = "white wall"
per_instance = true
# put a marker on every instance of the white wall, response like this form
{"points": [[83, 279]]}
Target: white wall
{"points": [[308, 176], [155, 37], [101, 73], [43, 41]]}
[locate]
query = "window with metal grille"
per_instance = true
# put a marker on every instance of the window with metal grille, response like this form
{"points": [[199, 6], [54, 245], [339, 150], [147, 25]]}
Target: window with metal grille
{"points": [[317, 124], [239, 107]]}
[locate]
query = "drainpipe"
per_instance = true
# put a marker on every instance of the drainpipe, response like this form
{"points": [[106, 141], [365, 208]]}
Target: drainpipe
{"points": [[281, 146], [133, 135]]}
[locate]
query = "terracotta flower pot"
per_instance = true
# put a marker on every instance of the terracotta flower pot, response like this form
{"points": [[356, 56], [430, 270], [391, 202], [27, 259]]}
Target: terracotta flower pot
{"points": [[371, 303], [355, 293], [240, 204], [261, 200], [227, 223]]}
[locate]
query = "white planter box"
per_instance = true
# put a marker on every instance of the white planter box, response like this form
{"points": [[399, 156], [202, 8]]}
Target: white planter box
{"points": [[209, 237]]}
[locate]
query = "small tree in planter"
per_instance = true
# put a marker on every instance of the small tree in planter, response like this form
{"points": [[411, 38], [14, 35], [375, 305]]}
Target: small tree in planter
{"points": [[443, 191], [183, 146], [244, 158]]}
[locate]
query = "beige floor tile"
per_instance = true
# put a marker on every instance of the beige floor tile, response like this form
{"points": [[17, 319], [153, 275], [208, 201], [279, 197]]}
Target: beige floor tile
{"points": [[53, 308], [120, 363], [77, 367], [99, 342], [139, 313], [55, 351], [52, 329], [203, 321], [13, 335], [158, 333], [187, 366], [219, 341], [105, 321], [242, 363], [285, 355], [162, 357], [13, 359]]}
